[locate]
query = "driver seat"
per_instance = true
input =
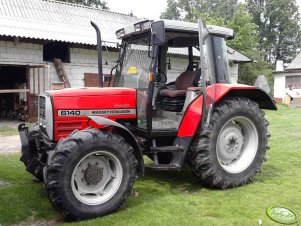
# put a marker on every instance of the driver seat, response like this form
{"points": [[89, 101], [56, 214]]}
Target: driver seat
{"points": [[172, 98]]}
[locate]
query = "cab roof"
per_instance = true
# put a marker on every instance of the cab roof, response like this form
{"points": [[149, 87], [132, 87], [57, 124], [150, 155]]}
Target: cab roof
{"points": [[173, 25]]}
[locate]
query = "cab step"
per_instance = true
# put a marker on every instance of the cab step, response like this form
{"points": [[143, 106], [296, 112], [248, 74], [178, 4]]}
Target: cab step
{"points": [[165, 149], [163, 167]]}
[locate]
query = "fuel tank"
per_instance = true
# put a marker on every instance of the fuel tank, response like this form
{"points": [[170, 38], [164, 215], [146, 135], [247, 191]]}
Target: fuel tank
{"points": [[72, 106]]}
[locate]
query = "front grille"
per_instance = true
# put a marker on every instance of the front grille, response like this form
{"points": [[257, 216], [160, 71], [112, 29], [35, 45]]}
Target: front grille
{"points": [[46, 116], [65, 128], [42, 111], [42, 106]]}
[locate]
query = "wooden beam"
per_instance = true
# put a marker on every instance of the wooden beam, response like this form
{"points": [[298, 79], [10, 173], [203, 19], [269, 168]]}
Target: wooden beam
{"points": [[14, 90]]}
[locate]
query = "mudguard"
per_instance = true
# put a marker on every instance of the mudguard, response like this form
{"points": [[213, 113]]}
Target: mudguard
{"points": [[126, 134], [193, 115]]}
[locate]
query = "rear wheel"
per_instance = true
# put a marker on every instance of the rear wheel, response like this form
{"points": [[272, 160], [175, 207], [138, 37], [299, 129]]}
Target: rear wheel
{"points": [[231, 150], [90, 174], [31, 159]]}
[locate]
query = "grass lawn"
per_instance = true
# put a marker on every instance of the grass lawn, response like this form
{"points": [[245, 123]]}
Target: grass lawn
{"points": [[176, 198], [8, 131], [10, 128]]}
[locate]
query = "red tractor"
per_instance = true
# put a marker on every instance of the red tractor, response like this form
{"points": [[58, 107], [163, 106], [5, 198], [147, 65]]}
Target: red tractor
{"points": [[89, 143]]}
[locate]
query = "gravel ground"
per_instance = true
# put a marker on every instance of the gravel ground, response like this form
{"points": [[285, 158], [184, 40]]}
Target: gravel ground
{"points": [[10, 144]]}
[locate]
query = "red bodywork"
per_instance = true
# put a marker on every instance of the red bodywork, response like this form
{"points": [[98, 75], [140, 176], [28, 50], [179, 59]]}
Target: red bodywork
{"points": [[101, 100], [123, 98], [193, 114]]}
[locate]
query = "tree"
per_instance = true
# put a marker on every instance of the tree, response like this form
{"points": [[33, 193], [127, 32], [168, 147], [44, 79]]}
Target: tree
{"points": [[247, 42], [227, 13], [190, 10], [93, 3], [172, 12], [279, 29]]}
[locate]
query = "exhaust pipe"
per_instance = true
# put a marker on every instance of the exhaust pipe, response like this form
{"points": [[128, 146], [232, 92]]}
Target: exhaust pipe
{"points": [[99, 53]]}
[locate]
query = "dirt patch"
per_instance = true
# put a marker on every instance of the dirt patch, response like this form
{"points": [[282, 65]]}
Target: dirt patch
{"points": [[10, 123], [3, 182], [10, 144], [38, 223], [31, 221]]}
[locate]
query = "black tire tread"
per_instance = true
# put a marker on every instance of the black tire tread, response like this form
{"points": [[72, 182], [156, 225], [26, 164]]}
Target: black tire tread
{"points": [[67, 147], [200, 158]]}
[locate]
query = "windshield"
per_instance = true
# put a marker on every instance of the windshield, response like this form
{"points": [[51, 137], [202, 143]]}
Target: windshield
{"points": [[133, 72], [134, 67]]}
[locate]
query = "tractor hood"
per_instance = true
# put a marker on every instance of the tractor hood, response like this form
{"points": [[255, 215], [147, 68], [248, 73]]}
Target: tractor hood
{"points": [[71, 107], [76, 92], [109, 102]]}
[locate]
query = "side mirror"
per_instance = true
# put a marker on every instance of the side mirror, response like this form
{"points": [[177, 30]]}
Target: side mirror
{"points": [[157, 33]]}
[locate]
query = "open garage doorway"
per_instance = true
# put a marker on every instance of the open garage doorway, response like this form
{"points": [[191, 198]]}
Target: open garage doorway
{"points": [[13, 92], [20, 86]]}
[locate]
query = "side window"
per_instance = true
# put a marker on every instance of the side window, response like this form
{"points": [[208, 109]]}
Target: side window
{"points": [[176, 64]]}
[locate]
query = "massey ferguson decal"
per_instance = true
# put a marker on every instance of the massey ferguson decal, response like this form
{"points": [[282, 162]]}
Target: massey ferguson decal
{"points": [[131, 111]]}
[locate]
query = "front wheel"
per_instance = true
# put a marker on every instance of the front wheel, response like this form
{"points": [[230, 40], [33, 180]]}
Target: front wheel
{"points": [[90, 174], [231, 150]]}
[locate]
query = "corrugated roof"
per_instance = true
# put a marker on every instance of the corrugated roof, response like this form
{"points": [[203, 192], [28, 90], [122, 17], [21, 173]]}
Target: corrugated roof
{"points": [[235, 56], [295, 64], [59, 21]]}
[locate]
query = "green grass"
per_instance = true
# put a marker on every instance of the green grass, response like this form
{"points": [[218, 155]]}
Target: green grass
{"points": [[8, 131], [176, 198]]}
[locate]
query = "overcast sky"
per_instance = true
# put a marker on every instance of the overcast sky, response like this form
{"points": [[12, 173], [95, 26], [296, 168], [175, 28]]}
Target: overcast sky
{"points": [[150, 9]]}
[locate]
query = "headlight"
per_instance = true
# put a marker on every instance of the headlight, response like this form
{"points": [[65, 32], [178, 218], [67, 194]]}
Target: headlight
{"points": [[146, 25], [120, 33], [137, 27]]}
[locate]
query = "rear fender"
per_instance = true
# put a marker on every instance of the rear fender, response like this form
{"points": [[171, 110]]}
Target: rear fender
{"points": [[193, 115], [126, 134], [258, 95]]}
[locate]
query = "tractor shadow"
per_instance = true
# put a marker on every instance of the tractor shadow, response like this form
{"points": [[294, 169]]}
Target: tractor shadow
{"points": [[156, 184], [171, 181], [268, 173]]}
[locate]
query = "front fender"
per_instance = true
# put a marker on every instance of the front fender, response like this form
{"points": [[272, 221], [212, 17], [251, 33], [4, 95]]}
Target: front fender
{"points": [[126, 134]]}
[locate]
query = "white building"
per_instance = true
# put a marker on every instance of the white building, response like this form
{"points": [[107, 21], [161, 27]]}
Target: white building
{"points": [[34, 32], [287, 81]]}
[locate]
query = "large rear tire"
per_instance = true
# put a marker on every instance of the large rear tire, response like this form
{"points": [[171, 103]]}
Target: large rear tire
{"points": [[31, 159], [90, 174], [231, 150]]}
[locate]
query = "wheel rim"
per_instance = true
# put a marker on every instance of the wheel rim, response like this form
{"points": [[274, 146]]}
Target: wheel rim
{"points": [[96, 177], [237, 144]]}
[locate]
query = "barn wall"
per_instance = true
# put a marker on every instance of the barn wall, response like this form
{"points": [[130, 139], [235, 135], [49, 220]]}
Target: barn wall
{"points": [[82, 61], [177, 65], [20, 53]]}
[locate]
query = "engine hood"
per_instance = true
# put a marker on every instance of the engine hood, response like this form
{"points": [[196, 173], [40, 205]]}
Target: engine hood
{"points": [[71, 107], [72, 92]]}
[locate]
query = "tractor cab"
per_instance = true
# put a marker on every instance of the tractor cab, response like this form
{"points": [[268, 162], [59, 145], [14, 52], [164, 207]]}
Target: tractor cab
{"points": [[163, 93]]}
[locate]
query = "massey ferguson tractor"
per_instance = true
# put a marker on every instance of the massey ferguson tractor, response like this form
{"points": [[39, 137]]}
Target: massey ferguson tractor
{"points": [[89, 144]]}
